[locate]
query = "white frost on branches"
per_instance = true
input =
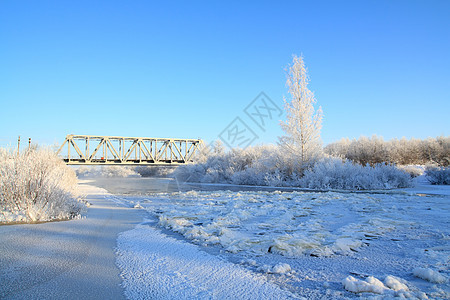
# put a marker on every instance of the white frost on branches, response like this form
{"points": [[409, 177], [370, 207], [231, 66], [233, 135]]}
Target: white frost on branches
{"points": [[36, 185], [303, 123]]}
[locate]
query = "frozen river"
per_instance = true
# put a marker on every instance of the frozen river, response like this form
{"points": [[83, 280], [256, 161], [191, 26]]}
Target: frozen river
{"points": [[310, 244], [148, 185], [150, 238]]}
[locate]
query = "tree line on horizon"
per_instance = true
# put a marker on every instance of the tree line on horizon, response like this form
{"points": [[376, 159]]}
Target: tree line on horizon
{"points": [[375, 150]]}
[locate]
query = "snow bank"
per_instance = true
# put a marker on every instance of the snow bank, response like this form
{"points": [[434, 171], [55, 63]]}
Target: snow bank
{"points": [[429, 275], [155, 266]]}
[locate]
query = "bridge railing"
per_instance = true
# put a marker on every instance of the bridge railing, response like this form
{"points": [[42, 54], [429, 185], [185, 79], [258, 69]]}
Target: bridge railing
{"points": [[117, 150]]}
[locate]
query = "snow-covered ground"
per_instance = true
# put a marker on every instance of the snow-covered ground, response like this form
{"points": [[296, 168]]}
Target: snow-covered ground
{"points": [[73, 259], [261, 244], [219, 244]]}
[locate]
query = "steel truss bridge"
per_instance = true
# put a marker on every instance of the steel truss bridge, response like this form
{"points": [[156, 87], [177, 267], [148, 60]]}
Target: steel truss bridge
{"points": [[118, 150]]}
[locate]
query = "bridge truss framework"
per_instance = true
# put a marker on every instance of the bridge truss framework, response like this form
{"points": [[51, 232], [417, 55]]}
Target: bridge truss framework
{"points": [[117, 150]]}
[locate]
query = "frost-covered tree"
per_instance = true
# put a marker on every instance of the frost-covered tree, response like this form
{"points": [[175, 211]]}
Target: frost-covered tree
{"points": [[303, 123]]}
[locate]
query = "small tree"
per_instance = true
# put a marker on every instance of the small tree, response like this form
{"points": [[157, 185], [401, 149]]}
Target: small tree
{"points": [[303, 123]]}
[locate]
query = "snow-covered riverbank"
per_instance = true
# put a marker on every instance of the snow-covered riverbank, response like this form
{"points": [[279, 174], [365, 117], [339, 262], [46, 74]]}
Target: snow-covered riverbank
{"points": [[66, 260]]}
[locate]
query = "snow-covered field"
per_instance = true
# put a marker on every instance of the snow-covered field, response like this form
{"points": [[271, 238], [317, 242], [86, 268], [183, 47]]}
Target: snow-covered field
{"points": [[260, 244]]}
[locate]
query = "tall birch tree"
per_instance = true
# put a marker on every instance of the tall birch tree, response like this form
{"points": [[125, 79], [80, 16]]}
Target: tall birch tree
{"points": [[303, 123]]}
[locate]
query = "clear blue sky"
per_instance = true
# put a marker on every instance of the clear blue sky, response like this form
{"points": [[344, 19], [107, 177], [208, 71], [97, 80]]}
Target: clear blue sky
{"points": [[187, 69]]}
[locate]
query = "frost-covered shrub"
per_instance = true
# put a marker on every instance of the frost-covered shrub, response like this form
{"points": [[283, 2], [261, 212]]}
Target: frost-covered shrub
{"points": [[403, 152], [267, 166], [36, 186], [413, 170], [106, 171], [259, 165], [155, 171], [438, 175], [335, 173]]}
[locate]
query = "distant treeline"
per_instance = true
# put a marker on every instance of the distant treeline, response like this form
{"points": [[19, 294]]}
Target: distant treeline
{"points": [[375, 150]]}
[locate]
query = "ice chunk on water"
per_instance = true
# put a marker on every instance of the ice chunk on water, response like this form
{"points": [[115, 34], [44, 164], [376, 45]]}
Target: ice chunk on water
{"points": [[395, 283], [346, 245], [370, 285], [429, 275], [281, 268]]}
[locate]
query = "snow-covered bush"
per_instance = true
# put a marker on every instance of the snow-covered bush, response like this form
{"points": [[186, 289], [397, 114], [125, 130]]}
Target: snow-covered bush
{"points": [[268, 166], [413, 170], [36, 186], [438, 175], [258, 165], [399, 151], [106, 171], [335, 173], [155, 171]]}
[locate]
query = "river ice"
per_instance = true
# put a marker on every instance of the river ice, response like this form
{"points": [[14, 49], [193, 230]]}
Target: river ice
{"points": [[309, 245]]}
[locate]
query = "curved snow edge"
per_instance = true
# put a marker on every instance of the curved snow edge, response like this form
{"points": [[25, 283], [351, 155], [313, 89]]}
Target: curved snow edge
{"points": [[157, 266]]}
